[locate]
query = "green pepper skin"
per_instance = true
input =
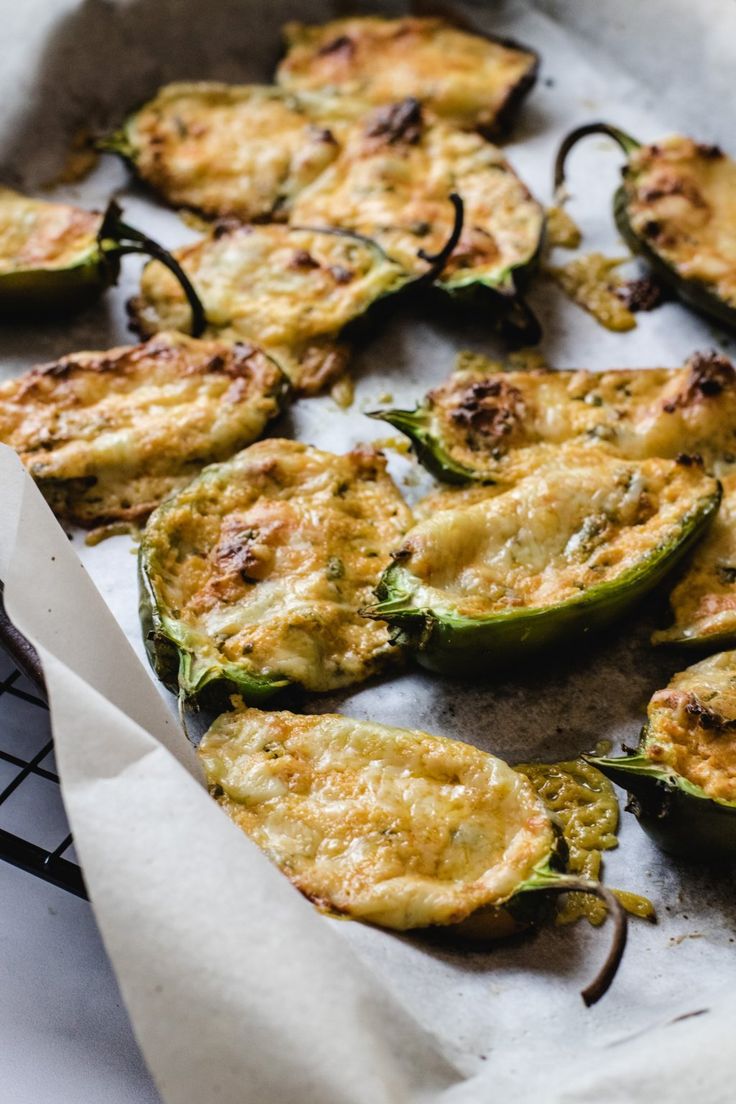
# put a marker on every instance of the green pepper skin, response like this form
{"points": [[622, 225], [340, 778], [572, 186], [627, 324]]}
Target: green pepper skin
{"points": [[679, 816], [694, 293], [44, 290], [49, 290], [176, 665], [416, 425], [451, 644], [691, 292]]}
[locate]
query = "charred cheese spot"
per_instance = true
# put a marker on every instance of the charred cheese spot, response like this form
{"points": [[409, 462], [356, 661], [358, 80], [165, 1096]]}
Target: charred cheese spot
{"points": [[465, 78], [692, 726], [681, 199], [704, 601], [35, 234], [581, 521], [381, 824], [285, 289], [392, 181], [264, 563], [108, 435], [232, 150], [504, 424]]}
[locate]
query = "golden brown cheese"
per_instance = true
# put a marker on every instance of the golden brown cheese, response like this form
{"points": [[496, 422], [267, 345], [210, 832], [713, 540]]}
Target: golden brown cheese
{"points": [[387, 825], [392, 181], [37, 234], [108, 435], [592, 282], [231, 150], [265, 562], [583, 520], [562, 230], [692, 726], [681, 198], [502, 425], [289, 291], [704, 601], [465, 78]]}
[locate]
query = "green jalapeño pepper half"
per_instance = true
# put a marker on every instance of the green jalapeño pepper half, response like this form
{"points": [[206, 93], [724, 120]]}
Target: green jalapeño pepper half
{"points": [[676, 209], [495, 427], [704, 600], [296, 292], [479, 858], [390, 182], [682, 777], [566, 551], [253, 576], [54, 256]]}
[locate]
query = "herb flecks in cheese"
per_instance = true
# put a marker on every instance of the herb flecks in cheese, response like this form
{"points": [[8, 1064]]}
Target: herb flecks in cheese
{"points": [[396, 827], [262, 564]]}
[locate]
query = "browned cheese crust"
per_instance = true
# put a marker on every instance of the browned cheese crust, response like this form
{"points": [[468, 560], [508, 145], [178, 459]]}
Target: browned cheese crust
{"points": [[266, 561], [392, 181], [107, 435], [681, 198], [692, 726], [465, 78], [290, 291], [504, 424], [231, 150], [37, 234]]}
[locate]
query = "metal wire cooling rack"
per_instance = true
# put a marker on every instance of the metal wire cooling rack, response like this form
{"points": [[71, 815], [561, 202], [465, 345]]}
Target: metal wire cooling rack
{"points": [[34, 832]]}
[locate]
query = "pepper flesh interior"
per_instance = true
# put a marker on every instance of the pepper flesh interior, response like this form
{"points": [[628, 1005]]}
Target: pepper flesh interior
{"points": [[581, 522], [107, 435], [584, 804], [500, 425], [231, 150], [465, 78], [290, 291], [691, 728], [391, 182], [36, 234], [680, 198], [387, 825], [260, 566]]}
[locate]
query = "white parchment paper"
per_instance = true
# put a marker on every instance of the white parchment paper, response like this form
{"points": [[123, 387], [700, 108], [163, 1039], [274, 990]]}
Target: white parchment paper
{"points": [[237, 990]]}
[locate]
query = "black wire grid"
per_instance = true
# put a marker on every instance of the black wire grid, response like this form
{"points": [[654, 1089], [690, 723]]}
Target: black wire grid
{"points": [[34, 832]]}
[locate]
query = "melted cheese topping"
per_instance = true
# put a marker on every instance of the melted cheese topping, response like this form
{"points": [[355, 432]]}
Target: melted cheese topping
{"points": [[392, 181], [591, 282], [108, 435], [704, 601], [291, 291], [579, 522], [562, 230], [240, 150], [465, 78], [692, 726], [681, 199], [387, 825], [35, 234], [502, 425], [264, 562]]}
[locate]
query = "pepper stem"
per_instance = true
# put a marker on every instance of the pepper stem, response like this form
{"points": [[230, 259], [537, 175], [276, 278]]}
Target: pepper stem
{"points": [[624, 140], [117, 239], [601, 983], [437, 261]]}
